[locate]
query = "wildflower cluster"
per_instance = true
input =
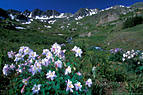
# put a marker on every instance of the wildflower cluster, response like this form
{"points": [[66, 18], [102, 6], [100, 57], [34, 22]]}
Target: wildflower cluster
{"points": [[116, 50], [11, 54], [116, 54], [134, 59], [47, 72], [78, 51], [8, 68], [129, 55]]}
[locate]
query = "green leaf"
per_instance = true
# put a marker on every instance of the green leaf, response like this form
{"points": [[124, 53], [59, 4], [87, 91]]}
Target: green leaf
{"points": [[43, 90]]}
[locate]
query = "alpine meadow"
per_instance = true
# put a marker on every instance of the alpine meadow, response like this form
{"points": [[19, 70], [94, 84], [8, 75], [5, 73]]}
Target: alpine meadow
{"points": [[89, 52]]}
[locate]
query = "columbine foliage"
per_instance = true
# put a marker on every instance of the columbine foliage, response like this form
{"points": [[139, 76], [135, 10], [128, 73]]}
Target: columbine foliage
{"points": [[48, 73]]}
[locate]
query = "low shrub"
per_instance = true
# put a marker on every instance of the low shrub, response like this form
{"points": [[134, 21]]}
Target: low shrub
{"points": [[133, 21]]}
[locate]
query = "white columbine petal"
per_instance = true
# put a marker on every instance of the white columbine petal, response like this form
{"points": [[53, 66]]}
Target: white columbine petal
{"points": [[58, 64], [5, 70], [51, 75], [68, 70], [69, 86], [36, 88], [89, 82], [78, 86]]}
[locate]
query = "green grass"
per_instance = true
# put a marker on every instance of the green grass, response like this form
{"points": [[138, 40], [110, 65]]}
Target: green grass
{"points": [[15, 38], [130, 38]]}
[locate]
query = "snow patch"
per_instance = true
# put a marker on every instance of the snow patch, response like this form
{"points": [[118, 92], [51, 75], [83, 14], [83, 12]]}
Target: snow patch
{"points": [[47, 26], [20, 28], [27, 22], [93, 12], [30, 16], [79, 18], [62, 15], [17, 19], [12, 16], [51, 21], [60, 34]]}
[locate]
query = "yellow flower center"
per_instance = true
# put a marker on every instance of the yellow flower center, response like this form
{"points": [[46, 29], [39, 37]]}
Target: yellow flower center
{"points": [[78, 85], [26, 82], [51, 74], [27, 51], [70, 86], [36, 88]]}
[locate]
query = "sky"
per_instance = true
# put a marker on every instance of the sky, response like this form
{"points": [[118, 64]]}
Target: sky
{"points": [[68, 6]]}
